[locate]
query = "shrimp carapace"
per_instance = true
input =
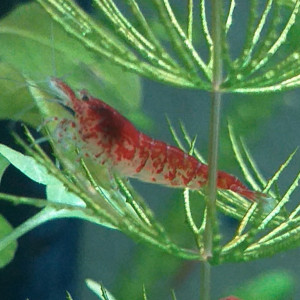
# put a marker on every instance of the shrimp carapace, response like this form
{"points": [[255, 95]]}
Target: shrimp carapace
{"points": [[109, 137]]}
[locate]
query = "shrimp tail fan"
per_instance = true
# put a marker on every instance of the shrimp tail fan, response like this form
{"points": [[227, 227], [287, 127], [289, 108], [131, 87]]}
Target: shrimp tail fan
{"points": [[266, 201]]}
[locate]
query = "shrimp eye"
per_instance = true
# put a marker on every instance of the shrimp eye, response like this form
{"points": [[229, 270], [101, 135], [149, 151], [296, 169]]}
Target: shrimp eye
{"points": [[85, 98]]}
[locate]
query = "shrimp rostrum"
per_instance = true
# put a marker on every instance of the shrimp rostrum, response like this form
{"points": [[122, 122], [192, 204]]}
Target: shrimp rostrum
{"points": [[109, 137]]}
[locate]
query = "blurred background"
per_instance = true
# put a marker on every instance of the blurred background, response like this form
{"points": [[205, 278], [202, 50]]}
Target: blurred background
{"points": [[61, 254]]}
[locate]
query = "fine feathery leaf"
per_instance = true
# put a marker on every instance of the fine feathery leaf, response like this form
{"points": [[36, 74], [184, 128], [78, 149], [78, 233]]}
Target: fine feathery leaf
{"points": [[133, 44], [188, 212], [175, 136], [144, 293], [281, 203], [239, 157], [144, 25], [128, 32], [104, 43], [185, 49], [205, 29], [252, 163], [74, 187], [276, 175], [281, 38], [256, 34], [283, 242], [230, 15], [100, 291], [68, 296], [98, 209], [278, 74], [189, 142], [246, 219], [173, 295], [190, 20]]}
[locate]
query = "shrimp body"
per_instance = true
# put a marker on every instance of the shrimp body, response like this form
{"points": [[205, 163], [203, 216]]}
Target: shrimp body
{"points": [[109, 137]]}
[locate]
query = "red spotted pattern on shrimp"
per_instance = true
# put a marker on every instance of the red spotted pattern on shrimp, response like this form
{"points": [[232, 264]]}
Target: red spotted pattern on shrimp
{"points": [[108, 136]]}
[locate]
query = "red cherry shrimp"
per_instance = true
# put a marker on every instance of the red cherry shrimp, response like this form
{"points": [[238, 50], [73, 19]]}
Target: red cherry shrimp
{"points": [[108, 136]]}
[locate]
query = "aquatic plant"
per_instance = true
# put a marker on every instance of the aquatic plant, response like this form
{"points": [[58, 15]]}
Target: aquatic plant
{"points": [[190, 50]]}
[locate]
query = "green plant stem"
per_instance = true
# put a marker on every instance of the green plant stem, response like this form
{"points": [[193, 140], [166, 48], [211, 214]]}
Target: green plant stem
{"points": [[205, 280], [212, 175], [211, 223]]}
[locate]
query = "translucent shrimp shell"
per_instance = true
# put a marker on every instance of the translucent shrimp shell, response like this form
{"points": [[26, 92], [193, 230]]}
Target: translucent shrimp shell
{"points": [[109, 137]]}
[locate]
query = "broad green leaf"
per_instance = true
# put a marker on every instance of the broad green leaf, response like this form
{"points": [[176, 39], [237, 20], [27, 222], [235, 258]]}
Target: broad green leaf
{"points": [[99, 290], [9, 236], [276, 285], [4, 163], [26, 164], [12, 235], [56, 192], [15, 101], [47, 50], [29, 167], [8, 253]]}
